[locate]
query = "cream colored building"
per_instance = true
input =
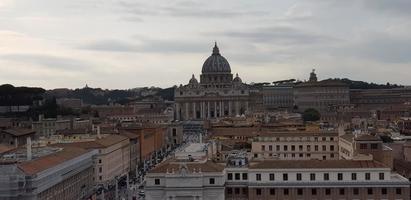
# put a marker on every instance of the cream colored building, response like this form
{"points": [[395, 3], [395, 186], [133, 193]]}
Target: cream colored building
{"points": [[295, 145], [113, 159]]}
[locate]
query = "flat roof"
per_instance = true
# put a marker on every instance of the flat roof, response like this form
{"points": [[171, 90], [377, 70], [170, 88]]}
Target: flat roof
{"points": [[315, 164]]}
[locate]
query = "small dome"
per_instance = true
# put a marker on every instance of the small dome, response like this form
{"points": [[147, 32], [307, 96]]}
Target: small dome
{"points": [[193, 80], [237, 79], [216, 63]]}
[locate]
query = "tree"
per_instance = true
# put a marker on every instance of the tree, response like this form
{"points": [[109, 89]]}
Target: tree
{"points": [[311, 114]]}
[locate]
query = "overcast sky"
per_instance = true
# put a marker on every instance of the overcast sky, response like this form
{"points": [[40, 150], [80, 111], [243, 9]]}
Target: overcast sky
{"points": [[132, 43]]}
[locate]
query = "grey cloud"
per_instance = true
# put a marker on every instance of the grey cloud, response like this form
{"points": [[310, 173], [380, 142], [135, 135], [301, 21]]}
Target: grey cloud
{"points": [[146, 45], [395, 7], [49, 61], [182, 9], [381, 48], [281, 35]]}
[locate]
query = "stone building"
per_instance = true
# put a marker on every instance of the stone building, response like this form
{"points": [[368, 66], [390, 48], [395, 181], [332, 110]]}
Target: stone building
{"points": [[217, 94], [314, 179], [46, 173], [295, 145], [321, 95]]}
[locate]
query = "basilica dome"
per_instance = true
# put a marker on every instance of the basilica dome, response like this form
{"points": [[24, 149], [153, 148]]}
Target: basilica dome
{"points": [[216, 63]]}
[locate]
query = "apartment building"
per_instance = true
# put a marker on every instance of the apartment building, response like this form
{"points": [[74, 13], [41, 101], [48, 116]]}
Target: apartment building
{"points": [[314, 179], [295, 145]]}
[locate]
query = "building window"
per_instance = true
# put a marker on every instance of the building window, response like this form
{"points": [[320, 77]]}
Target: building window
{"points": [[356, 191], [245, 190], [271, 177], [369, 191], [315, 147], [270, 147], [100, 178], [258, 191], [156, 181], [342, 191], [326, 176], [230, 176], [324, 148], [272, 191], [314, 191], [262, 147], [286, 191], [332, 148], [381, 176], [367, 176], [300, 191], [300, 147], [237, 176], [229, 190], [383, 191], [99, 160], [398, 191], [285, 148], [327, 191], [212, 181], [258, 177], [277, 147], [100, 169], [340, 176], [374, 146], [353, 176], [312, 177], [236, 190], [308, 148], [299, 177], [285, 177], [245, 176], [292, 148], [363, 146]]}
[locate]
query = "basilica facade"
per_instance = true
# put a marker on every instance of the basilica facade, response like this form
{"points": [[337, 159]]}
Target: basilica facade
{"points": [[218, 94]]}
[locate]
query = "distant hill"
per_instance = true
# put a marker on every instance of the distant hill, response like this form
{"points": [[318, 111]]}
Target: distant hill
{"points": [[365, 85], [98, 96]]}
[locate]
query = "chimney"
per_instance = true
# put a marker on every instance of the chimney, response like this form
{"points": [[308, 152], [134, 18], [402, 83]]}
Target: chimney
{"points": [[28, 146], [98, 132]]}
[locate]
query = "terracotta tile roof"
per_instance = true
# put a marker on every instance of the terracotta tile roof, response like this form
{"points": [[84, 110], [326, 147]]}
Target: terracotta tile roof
{"points": [[19, 131], [38, 165], [315, 164], [129, 134], [111, 140], [5, 148], [208, 166]]}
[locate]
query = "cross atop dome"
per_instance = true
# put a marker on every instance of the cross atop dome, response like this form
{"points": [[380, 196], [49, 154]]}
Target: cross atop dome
{"points": [[216, 51]]}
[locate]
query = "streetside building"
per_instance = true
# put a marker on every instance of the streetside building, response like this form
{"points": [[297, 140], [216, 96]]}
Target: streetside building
{"points": [[295, 145], [16, 136], [314, 179], [112, 160], [52, 173]]}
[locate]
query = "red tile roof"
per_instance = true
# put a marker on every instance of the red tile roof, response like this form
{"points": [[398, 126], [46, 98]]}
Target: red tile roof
{"points": [[38, 165]]}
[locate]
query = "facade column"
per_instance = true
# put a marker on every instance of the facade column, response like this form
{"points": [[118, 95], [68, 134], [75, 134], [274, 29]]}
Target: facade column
{"points": [[246, 106], [237, 108], [194, 111], [186, 111], [177, 111], [229, 108], [204, 110], [215, 109], [208, 110], [221, 109]]}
